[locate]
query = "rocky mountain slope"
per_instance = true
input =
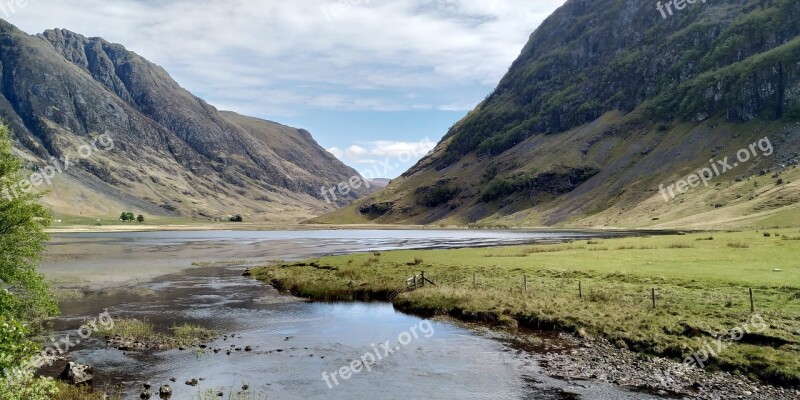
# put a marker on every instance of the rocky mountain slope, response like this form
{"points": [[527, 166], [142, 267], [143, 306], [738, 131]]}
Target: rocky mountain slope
{"points": [[610, 105], [162, 150]]}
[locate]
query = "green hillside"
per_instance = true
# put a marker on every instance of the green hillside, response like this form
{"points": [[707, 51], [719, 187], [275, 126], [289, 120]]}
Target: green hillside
{"points": [[608, 102]]}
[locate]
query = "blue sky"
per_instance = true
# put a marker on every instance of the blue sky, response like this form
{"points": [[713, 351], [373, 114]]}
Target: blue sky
{"points": [[370, 79]]}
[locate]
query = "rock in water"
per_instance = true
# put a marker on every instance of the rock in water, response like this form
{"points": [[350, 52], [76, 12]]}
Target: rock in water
{"points": [[77, 374], [165, 392]]}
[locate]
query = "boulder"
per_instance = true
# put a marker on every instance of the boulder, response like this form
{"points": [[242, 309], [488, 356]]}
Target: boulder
{"points": [[165, 392], [77, 374]]}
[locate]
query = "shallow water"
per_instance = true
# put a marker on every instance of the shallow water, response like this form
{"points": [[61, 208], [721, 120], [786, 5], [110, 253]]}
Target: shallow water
{"points": [[294, 341]]}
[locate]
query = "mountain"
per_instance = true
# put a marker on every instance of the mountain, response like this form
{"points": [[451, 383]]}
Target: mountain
{"points": [[380, 182], [162, 151], [608, 110]]}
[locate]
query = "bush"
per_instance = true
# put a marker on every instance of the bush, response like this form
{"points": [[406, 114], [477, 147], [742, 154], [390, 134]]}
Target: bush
{"points": [[236, 218], [438, 196], [18, 382]]}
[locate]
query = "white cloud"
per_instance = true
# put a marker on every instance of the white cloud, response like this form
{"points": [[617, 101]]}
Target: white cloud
{"points": [[277, 56], [337, 152], [355, 151], [395, 149]]}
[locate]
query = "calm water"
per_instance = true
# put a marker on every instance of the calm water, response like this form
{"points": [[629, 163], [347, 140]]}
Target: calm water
{"points": [[293, 341]]}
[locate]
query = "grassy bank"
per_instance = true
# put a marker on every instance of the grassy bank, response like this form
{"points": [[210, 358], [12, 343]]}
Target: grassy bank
{"points": [[702, 284]]}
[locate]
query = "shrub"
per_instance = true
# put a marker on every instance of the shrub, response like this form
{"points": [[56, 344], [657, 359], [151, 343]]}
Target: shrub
{"points": [[18, 382], [438, 196], [236, 218], [680, 246], [738, 245]]}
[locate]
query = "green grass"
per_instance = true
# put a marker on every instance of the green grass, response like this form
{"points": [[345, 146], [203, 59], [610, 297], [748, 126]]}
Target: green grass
{"points": [[702, 290], [69, 392], [178, 335]]}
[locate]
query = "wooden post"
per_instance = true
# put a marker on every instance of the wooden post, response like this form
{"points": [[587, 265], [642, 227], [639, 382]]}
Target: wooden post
{"points": [[422, 280], [525, 281], [654, 298], [580, 290], [752, 302], [474, 284], [415, 282]]}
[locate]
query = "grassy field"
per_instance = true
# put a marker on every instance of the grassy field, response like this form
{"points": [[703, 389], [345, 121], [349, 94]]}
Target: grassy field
{"points": [[702, 284]]}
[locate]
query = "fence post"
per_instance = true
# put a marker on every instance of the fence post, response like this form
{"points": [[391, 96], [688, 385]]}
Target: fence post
{"points": [[422, 280], [752, 302], [525, 281], [580, 290], [474, 284], [654, 297]]}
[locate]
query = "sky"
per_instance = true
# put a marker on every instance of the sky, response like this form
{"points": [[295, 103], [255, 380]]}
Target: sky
{"points": [[372, 80]]}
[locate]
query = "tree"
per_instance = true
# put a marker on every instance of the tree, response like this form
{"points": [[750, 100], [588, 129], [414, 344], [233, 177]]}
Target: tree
{"points": [[123, 217], [236, 218], [140, 218], [25, 299], [22, 238]]}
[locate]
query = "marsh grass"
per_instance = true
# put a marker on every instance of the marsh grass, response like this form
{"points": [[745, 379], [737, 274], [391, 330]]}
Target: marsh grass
{"points": [[680, 246], [701, 291], [133, 328], [69, 392], [177, 335]]}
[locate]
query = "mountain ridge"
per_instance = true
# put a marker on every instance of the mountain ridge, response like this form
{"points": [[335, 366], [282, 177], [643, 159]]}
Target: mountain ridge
{"points": [[175, 154]]}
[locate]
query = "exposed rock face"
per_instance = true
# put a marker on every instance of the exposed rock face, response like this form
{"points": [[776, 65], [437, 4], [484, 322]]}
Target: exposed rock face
{"points": [[613, 88], [173, 153]]}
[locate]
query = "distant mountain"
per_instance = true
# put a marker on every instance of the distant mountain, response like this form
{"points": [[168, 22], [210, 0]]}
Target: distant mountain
{"points": [[173, 154], [380, 182], [612, 104]]}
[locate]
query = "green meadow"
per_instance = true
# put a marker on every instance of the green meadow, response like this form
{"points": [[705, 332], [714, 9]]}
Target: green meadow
{"points": [[702, 285]]}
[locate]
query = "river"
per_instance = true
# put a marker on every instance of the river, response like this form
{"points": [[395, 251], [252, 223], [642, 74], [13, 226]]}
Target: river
{"points": [[295, 343]]}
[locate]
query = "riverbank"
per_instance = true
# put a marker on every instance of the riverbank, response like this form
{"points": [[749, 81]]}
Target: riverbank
{"points": [[108, 225], [600, 289]]}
